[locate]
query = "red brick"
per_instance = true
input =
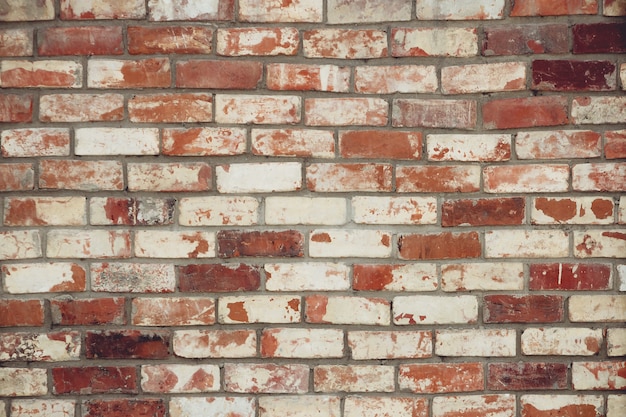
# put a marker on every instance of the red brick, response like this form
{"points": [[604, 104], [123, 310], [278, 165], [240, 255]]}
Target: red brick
{"points": [[127, 344], [439, 246], [599, 38], [345, 111], [345, 43], [528, 39], [173, 311], [523, 309], [169, 177], [80, 175], [82, 40], [19, 11], [131, 211], [302, 77], [402, 277], [293, 142], [553, 7], [526, 178], [599, 177], [526, 376], [348, 177], [218, 278], [85, 312], [438, 179], [441, 378], [41, 74], [257, 41], [569, 75], [117, 73], [97, 9], [615, 144], [510, 113], [558, 144], [353, 378], [266, 378], [435, 113], [395, 79], [14, 312], [169, 40], [16, 108], [164, 10], [483, 212], [171, 108], [227, 75], [16, 42], [380, 144], [35, 142], [203, 141], [125, 408], [94, 380], [17, 177], [81, 107], [235, 243]]}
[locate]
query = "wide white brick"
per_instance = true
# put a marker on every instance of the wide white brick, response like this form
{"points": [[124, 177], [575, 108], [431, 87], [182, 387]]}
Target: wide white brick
{"points": [[300, 406], [307, 276], [561, 341], [218, 211], [455, 10], [70, 243], [257, 109], [342, 12], [341, 310], [600, 243], [305, 210], [176, 378], [598, 110], [116, 141], [20, 244], [174, 244], [479, 405], [390, 344], [43, 408], [457, 42], [395, 277], [45, 211], [385, 406], [482, 277], [36, 347], [426, 309], [394, 210], [23, 382], [597, 308], [475, 342], [212, 406], [526, 244], [463, 147], [302, 343], [294, 11], [42, 278], [259, 309], [215, 343], [347, 243], [259, 177]]}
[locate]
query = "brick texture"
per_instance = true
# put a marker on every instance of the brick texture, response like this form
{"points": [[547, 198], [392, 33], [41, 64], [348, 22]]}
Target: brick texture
{"points": [[331, 208]]}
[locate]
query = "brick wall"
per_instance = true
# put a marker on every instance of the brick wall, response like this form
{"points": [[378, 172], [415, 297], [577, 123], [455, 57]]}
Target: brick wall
{"points": [[332, 208]]}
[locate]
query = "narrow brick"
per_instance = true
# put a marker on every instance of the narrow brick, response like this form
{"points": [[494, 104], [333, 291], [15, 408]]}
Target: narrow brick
{"points": [[27, 278], [599, 38], [606, 376], [40, 347], [81, 107], [94, 9], [202, 141], [266, 378], [380, 144], [439, 246], [616, 342], [257, 109], [511, 113], [144, 40], [331, 177], [570, 277], [80, 175], [41, 74], [527, 376], [169, 177], [224, 75], [302, 343], [482, 277], [257, 41], [490, 404], [93, 380], [348, 243], [259, 309], [132, 277], [88, 312], [117, 73], [215, 343], [16, 108], [293, 143], [165, 312], [180, 244], [523, 308], [615, 404], [530, 39], [366, 345], [597, 308], [441, 378], [385, 406], [80, 40], [437, 179], [395, 277], [142, 211], [557, 144], [483, 212], [164, 10], [569, 75], [269, 11], [308, 276], [562, 341], [366, 11], [69, 243], [344, 43], [439, 42], [127, 344], [20, 244], [353, 378], [434, 113], [526, 178], [483, 78], [479, 148], [340, 310], [166, 379], [218, 277], [598, 110], [305, 210], [18, 312], [35, 142], [16, 42], [236, 243], [171, 108], [430, 309]]}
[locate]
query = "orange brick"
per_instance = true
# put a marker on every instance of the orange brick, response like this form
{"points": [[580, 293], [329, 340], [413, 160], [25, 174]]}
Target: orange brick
{"points": [[143, 40], [227, 75], [440, 378], [437, 179], [16, 108], [615, 144], [554, 7], [14, 312], [511, 113], [380, 144], [348, 177]]}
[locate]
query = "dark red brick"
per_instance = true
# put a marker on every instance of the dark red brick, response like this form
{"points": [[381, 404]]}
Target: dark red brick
{"points": [[127, 344], [525, 40], [240, 75], [483, 212], [439, 246], [599, 38], [21, 313], [576, 277], [85, 40], [523, 309], [124, 408], [568, 75], [72, 312], [219, 278], [526, 376], [235, 243], [94, 380]]}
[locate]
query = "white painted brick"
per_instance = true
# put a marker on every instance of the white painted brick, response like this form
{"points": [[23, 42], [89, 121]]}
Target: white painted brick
{"points": [[340, 310], [493, 405], [366, 345], [464, 147], [384, 406], [259, 177], [20, 244], [48, 211], [597, 308], [343, 12], [23, 382], [559, 404], [621, 272], [616, 342], [394, 210], [456, 42], [305, 210], [37, 347], [116, 141], [395, 277], [475, 342], [455, 10], [598, 110], [561, 341], [174, 244], [300, 406], [42, 278], [188, 378], [426, 309], [295, 11], [215, 343], [218, 211], [600, 243], [526, 244], [43, 408], [132, 277], [482, 277], [302, 343], [70, 243], [257, 109], [347, 243], [212, 406], [615, 404], [259, 309], [307, 276]]}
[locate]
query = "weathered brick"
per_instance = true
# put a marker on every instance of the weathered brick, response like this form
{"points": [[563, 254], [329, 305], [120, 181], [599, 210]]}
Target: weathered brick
{"points": [[194, 406], [40, 347], [511, 113], [16, 42], [348, 243], [345, 111], [453, 10], [395, 277], [353, 378], [308, 276], [440, 378], [132, 277], [93, 380], [302, 343], [340, 310], [266, 378], [568, 276], [565, 405], [35, 142], [481, 148], [162, 312], [614, 8], [165, 10], [144, 40], [430, 309], [23, 382], [305, 210], [203, 141], [257, 41], [615, 405], [600, 243], [442, 42], [20, 244], [95, 9], [26, 278], [257, 109], [598, 375], [293, 142], [526, 376], [597, 308], [394, 210], [475, 342], [142, 211], [41, 74], [599, 177], [127, 344], [236, 243], [215, 343], [561, 341], [483, 78], [124, 407], [259, 309], [434, 113], [482, 277], [554, 8], [568, 75], [616, 342], [621, 215], [18, 11], [395, 79], [490, 404], [385, 406], [81, 107], [437, 179], [483, 212], [270, 11], [390, 344], [167, 378], [80, 40], [19, 312], [300, 405], [226, 75], [16, 108], [598, 38], [529, 39], [503, 308], [615, 142], [439, 246], [80, 175], [303, 77], [179, 244], [215, 211], [118, 73], [344, 43], [116, 141], [171, 108], [599, 110], [526, 178], [169, 177], [85, 312], [42, 407], [380, 144], [71, 243], [218, 278], [364, 11], [332, 177], [557, 144], [577, 210]]}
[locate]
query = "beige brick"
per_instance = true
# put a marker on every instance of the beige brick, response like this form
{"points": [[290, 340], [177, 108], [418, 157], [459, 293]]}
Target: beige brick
{"points": [[169, 177], [600, 243], [212, 406], [445, 42], [215, 343], [302, 343], [27, 278], [394, 210], [597, 308], [598, 110], [293, 142], [20, 244], [300, 406], [132, 277], [526, 244], [594, 375], [365, 11], [502, 405], [266, 378], [475, 342], [259, 309], [615, 405], [385, 406], [218, 211], [454, 10], [174, 244], [395, 79], [545, 405], [45, 211], [340, 310], [426, 309], [269, 11], [305, 210], [35, 142], [482, 277], [462, 147], [348, 243], [116, 141], [23, 382], [561, 341], [395, 277], [366, 345], [69, 243], [256, 109], [43, 408], [40, 347], [307, 276], [259, 177], [354, 378], [483, 78], [616, 342]]}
